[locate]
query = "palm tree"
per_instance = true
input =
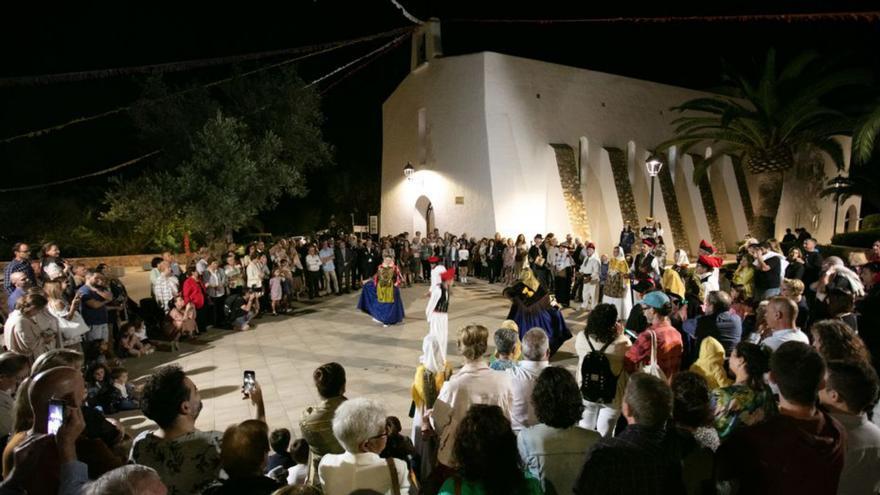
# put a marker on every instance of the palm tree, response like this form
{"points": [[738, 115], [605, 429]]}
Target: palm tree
{"points": [[766, 124], [865, 135]]}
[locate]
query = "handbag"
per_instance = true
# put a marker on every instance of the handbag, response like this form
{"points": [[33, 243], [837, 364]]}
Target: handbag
{"points": [[73, 329], [652, 368]]}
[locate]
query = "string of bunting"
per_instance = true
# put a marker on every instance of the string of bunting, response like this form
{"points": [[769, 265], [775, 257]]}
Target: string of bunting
{"points": [[868, 16], [183, 65], [362, 58], [126, 108]]}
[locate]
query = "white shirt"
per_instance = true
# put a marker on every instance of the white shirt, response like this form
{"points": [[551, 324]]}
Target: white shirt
{"points": [[522, 380], [592, 266], [313, 262], [342, 474], [779, 337], [464, 254], [297, 474], [475, 383]]}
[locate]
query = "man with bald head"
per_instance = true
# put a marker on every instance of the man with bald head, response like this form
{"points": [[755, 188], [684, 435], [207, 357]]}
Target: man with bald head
{"points": [[780, 317]]}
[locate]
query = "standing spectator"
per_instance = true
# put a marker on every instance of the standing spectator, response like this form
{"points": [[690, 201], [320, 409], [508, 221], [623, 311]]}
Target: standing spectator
{"points": [[780, 317], [168, 257], [343, 261], [234, 273], [430, 376], [749, 400], [643, 459], [475, 383], [215, 282], [359, 426], [850, 392], [657, 308], [187, 459], [486, 447], [800, 450], [243, 454], [19, 281], [603, 334], [194, 293], [812, 262], [796, 267], [536, 357], [166, 287], [627, 238], [331, 283], [313, 271], [317, 421], [369, 259], [52, 264], [555, 449], [95, 298], [21, 253], [719, 322], [768, 271], [794, 290], [14, 368]]}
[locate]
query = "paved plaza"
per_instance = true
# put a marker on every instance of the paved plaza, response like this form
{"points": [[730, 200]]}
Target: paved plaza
{"points": [[285, 350]]}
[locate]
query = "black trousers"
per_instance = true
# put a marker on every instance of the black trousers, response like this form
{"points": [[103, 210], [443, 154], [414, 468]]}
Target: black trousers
{"points": [[426, 270], [312, 280]]}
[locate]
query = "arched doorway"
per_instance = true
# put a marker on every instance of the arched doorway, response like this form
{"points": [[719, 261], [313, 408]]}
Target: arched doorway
{"points": [[851, 221], [423, 216]]}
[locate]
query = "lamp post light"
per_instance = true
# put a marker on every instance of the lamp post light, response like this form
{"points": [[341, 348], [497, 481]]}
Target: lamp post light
{"points": [[837, 183], [408, 171], [653, 164]]}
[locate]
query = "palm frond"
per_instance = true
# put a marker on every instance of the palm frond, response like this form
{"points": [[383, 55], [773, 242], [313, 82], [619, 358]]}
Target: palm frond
{"points": [[796, 66], [832, 148], [865, 136], [702, 164]]}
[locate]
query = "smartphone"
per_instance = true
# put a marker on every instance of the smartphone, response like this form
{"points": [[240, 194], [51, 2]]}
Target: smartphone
{"points": [[250, 379], [631, 334], [56, 415]]}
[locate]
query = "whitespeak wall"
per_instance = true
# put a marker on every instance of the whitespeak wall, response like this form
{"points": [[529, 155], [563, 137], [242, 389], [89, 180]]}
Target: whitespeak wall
{"points": [[490, 120]]}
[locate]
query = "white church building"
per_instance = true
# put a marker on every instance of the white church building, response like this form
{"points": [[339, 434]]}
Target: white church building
{"points": [[505, 144]]}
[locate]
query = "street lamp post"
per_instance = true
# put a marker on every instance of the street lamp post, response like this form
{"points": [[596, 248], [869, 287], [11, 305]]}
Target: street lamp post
{"points": [[408, 170], [654, 165], [837, 183]]}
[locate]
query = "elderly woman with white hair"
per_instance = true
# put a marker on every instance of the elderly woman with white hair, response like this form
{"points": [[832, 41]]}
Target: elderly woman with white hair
{"points": [[359, 425]]}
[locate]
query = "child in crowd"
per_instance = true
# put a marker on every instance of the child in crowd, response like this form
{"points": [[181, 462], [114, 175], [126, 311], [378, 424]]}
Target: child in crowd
{"points": [[97, 384], [297, 474], [279, 441], [463, 255], [397, 446], [276, 293], [140, 330], [181, 321], [121, 393], [130, 344]]}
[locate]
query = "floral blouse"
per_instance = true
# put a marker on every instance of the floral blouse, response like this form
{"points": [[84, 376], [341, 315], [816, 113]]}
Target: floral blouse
{"points": [[187, 464], [740, 405]]}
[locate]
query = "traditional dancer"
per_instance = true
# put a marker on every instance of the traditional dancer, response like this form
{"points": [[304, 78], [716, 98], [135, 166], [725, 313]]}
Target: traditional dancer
{"points": [[438, 321], [645, 265], [590, 269], [707, 266], [532, 306], [708, 250], [380, 296], [617, 287]]}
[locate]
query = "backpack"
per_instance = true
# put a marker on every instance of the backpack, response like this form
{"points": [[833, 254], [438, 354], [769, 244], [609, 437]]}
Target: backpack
{"points": [[598, 383]]}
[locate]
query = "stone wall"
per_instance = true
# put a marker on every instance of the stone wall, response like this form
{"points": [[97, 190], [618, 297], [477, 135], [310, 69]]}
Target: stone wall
{"points": [[574, 203], [670, 201], [624, 187], [711, 212], [743, 186]]}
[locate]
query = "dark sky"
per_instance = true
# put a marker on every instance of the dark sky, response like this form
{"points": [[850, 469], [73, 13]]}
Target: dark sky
{"points": [[105, 35]]}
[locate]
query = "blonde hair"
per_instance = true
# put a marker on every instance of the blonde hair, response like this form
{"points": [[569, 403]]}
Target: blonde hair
{"points": [[793, 286], [473, 341], [52, 289]]}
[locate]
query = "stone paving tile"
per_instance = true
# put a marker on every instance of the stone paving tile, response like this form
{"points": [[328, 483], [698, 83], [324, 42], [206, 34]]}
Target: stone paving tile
{"points": [[285, 350]]}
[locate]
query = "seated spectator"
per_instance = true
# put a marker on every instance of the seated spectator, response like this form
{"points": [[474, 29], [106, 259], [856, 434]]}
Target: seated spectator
{"points": [[644, 458], [506, 340], [244, 455], [131, 479], [97, 383], [398, 446], [130, 344], [657, 308], [692, 408], [800, 450], [359, 426], [536, 357], [187, 460], [475, 383], [485, 447], [719, 322], [603, 334], [279, 441], [780, 316], [298, 474], [317, 421], [120, 393], [181, 321], [242, 307], [554, 449], [749, 400], [835, 340], [851, 388], [14, 368], [27, 334], [710, 364]]}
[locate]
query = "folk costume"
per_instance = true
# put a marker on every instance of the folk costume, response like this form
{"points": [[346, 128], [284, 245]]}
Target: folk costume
{"points": [[380, 296], [438, 320], [591, 269], [708, 250], [708, 281], [532, 306], [617, 286]]}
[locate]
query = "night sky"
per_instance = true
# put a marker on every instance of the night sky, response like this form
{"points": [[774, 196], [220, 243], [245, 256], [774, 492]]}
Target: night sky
{"points": [[106, 35]]}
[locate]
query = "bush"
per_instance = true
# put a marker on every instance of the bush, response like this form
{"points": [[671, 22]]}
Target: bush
{"points": [[841, 252], [861, 239], [871, 222]]}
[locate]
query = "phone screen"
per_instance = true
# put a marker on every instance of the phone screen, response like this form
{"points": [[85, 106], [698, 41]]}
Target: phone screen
{"points": [[56, 416], [249, 380], [631, 334]]}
